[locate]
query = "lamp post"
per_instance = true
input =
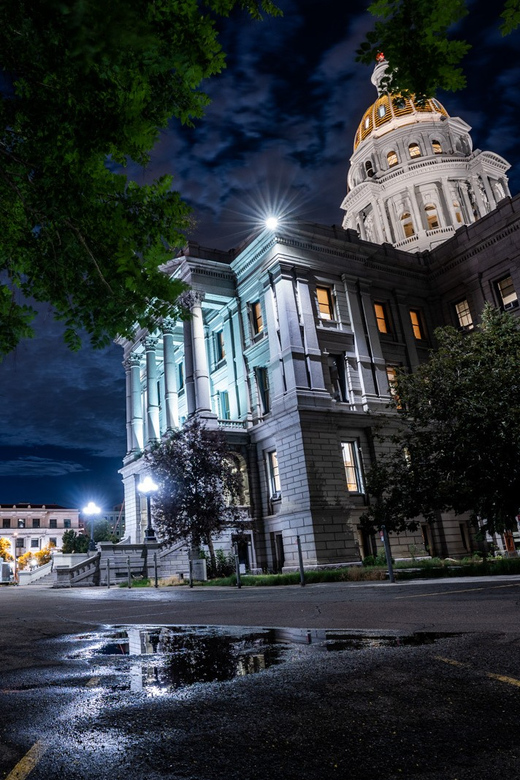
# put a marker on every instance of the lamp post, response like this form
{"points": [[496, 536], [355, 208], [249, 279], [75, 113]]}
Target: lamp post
{"points": [[15, 537], [91, 510], [147, 487]]}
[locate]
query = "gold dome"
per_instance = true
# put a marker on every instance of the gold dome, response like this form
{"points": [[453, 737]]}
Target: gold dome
{"points": [[386, 110]]}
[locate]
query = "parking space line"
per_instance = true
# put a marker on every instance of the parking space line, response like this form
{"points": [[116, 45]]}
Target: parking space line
{"points": [[491, 675], [28, 762]]}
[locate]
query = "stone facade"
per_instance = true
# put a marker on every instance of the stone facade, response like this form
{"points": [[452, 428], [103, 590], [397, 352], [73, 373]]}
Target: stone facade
{"points": [[295, 336], [33, 526]]}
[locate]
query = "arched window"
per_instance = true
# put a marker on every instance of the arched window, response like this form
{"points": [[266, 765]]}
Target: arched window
{"points": [[414, 150], [431, 216], [369, 168], [392, 159], [436, 147], [406, 222], [458, 215]]}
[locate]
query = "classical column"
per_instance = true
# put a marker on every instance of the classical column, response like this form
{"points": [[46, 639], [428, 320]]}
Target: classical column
{"points": [[135, 407], [128, 387], [189, 379], [200, 358], [152, 407], [170, 382]]}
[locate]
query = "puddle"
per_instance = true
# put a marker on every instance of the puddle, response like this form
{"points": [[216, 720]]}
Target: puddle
{"points": [[161, 660]]}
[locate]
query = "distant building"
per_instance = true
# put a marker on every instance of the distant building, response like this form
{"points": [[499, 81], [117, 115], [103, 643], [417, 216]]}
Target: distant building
{"points": [[297, 334], [31, 527]]}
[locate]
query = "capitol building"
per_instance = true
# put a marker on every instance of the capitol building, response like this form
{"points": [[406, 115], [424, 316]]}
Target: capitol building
{"points": [[299, 332]]}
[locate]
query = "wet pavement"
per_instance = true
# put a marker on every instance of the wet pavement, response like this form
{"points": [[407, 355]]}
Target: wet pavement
{"points": [[417, 697]]}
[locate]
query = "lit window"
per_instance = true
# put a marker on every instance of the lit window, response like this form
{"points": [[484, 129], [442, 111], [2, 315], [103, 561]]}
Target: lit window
{"points": [[431, 216], [53, 540], [436, 147], [257, 321], [458, 215], [262, 382], [325, 307], [273, 472], [507, 293], [367, 122], [464, 317], [392, 159], [352, 467], [223, 402], [220, 351], [414, 150], [21, 523], [381, 318], [407, 223], [381, 111], [415, 319]]}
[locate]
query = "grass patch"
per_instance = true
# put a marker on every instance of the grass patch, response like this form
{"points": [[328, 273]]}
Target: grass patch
{"points": [[142, 583]]}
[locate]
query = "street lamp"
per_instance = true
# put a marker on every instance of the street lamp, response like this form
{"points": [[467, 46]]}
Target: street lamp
{"points": [[147, 487], [15, 536], [91, 509]]}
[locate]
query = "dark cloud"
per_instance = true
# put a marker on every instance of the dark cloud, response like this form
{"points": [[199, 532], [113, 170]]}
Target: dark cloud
{"points": [[33, 466]]}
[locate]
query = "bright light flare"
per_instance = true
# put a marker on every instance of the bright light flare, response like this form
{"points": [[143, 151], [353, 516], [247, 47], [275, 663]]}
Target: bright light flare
{"points": [[271, 223], [147, 486], [91, 509]]}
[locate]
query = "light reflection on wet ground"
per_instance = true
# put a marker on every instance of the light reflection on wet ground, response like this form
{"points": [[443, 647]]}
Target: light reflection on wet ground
{"points": [[159, 660]]}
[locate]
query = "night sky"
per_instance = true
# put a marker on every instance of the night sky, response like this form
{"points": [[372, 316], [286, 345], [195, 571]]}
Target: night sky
{"points": [[277, 137]]}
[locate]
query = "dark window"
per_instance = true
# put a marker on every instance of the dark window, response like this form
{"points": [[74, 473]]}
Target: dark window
{"points": [[35, 544], [369, 168], [262, 381], [338, 378], [6, 522], [53, 523], [35, 522], [66, 524], [223, 398], [220, 352], [20, 541]]}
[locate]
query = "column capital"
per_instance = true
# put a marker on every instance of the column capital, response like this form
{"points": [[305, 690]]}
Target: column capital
{"points": [[150, 342], [168, 326], [189, 299], [132, 361]]}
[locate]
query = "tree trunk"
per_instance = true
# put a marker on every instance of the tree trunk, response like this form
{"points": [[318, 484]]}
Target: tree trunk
{"points": [[212, 558]]}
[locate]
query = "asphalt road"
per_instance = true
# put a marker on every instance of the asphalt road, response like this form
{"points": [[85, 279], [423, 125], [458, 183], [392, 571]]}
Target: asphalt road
{"points": [[446, 708]]}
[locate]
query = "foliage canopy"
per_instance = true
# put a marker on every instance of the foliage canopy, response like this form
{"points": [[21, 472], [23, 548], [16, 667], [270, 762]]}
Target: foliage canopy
{"points": [[458, 447], [416, 38], [200, 485], [85, 87]]}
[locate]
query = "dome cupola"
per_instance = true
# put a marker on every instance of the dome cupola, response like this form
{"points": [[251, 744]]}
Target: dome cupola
{"points": [[414, 177]]}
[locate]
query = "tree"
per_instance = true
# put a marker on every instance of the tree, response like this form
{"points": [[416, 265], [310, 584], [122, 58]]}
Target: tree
{"points": [[85, 87], [44, 555], [74, 543], [416, 38], [200, 486], [458, 446], [5, 549]]}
